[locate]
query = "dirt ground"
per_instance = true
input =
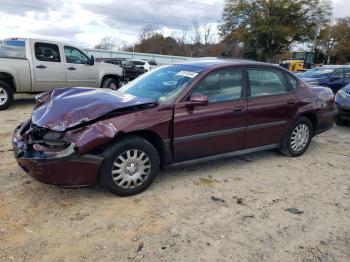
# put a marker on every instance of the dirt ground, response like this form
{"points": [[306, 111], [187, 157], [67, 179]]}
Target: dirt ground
{"points": [[227, 210]]}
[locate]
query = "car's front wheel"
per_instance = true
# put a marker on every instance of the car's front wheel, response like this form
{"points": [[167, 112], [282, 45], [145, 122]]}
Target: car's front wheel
{"points": [[298, 138], [129, 166]]}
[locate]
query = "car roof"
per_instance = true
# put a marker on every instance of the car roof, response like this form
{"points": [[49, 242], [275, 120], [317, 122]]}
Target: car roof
{"points": [[115, 58], [217, 62], [334, 66]]}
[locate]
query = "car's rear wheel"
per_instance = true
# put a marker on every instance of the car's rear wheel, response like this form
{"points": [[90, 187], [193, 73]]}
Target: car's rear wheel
{"points": [[111, 83], [129, 166], [298, 138], [6, 95]]}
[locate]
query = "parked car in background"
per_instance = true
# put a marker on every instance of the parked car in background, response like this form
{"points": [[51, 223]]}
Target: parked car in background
{"points": [[342, 100], [152, 63], [33, 66], [334, 77], [177, 114], [141, 63], [130, 71]]}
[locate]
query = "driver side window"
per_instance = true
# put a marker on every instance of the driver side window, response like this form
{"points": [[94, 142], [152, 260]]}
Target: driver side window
{"points": [[74, 56], [221, 85], [338, 73]]}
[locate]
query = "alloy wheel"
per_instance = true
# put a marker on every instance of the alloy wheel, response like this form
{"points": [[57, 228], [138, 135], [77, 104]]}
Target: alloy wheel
{"points": [[131, 169], [300, 137]]}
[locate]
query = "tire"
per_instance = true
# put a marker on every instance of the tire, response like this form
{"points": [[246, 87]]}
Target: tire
{"points": [[123, 178], [339, 121], [290, 142], [111, 83], [6, 95]]}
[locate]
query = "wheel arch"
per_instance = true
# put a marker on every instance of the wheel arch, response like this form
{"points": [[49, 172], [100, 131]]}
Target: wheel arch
{"points": [[313, 119], [154, 139], [8, 78]]}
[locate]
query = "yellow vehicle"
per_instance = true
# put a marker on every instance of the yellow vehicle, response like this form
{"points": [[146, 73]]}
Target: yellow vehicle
{"points": [[293, 65], [301, 61]]}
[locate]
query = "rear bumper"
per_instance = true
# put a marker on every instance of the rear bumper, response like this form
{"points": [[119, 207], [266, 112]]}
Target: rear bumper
{"points": [[68, 171], [325, 121]]}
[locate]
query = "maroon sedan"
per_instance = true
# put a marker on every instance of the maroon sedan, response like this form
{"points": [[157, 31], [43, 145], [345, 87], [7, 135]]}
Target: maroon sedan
{"points": [[177, 114]]}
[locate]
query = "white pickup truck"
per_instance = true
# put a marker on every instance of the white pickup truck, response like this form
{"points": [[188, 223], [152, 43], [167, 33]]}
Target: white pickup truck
{"points": [[34, 66]]}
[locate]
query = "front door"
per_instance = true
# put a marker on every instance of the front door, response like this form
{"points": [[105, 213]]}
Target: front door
{"points": [[271, 106], [337, 80], [49, 69], [79, 71], [216, 128]]}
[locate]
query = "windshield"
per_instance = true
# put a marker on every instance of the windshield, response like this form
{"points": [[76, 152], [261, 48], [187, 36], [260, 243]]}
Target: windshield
{"points": [[162, 84], [12, 49], [318, 73]]}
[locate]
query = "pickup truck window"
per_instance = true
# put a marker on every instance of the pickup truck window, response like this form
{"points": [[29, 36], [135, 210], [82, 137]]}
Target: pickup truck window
{"points": [[47, 52], [74, 56], [13, 49]]}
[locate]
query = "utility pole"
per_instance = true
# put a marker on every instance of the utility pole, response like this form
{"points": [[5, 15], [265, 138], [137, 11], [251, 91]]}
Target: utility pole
{"points": [[317, 33]]}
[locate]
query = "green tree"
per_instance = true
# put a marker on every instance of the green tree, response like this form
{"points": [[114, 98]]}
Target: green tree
{"points": [[267, 27], [334, 41]]}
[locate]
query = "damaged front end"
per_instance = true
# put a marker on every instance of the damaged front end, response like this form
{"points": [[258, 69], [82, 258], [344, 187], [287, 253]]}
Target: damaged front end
{"points": [[63, 142], [49, 157]]}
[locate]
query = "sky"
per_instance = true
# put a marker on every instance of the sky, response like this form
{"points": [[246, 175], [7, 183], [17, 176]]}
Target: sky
{"points": [[86, 22]]}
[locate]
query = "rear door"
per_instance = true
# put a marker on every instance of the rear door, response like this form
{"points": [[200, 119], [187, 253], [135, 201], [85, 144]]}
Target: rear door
{"points": [[79, 71], [49, 69], [271, 106], [216, 128]]}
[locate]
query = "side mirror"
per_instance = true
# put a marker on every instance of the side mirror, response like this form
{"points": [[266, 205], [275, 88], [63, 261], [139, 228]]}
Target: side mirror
{"points": [[197, 99], [92, 60]]}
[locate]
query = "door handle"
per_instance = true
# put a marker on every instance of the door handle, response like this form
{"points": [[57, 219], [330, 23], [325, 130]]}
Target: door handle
{"points": [[239, 109], [41, 67], [291, 102], [71, 68]]}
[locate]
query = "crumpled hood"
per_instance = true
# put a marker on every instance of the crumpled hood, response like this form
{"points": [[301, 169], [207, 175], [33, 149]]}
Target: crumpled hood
{"points": [[63, 108]]}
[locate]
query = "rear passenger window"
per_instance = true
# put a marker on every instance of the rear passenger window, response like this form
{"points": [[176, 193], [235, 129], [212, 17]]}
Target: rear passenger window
{"points": [[265, 82], [293, 83], [221, 85], [47, 52]]}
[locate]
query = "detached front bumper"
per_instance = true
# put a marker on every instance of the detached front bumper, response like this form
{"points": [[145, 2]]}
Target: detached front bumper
{"points": [[66, 169]]}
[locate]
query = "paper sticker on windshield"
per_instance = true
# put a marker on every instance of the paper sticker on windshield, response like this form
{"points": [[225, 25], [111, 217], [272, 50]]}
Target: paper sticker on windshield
{"points": [[187, 73]]}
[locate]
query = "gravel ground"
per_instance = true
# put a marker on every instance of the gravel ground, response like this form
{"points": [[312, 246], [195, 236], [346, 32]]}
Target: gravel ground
{"points": [[227, 210]]}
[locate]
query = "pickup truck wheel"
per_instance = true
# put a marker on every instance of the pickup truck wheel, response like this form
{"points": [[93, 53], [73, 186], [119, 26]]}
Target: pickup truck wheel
{"points": [[129, 166], [298, 138], [111, 83], [6, 95]]}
